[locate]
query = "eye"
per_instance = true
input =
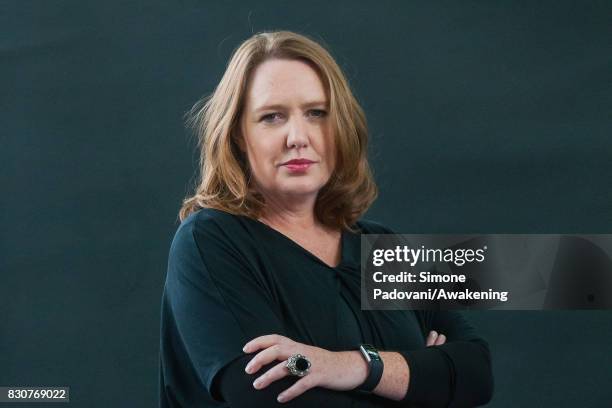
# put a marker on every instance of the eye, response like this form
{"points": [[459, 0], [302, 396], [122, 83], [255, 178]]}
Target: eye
{"points": [[317, 113], [270, 117]]}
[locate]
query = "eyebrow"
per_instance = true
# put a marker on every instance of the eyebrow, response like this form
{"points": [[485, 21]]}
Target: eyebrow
{"points": [[281, 106]]}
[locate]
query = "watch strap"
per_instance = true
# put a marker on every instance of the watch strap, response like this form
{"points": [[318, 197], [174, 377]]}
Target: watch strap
{"points": [[375, 363]]}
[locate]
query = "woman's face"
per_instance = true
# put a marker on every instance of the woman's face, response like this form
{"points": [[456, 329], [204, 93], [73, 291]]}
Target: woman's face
{"points": [[285, 117]]}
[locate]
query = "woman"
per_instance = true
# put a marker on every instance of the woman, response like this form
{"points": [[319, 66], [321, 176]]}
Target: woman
{"points": [[261, 304]]}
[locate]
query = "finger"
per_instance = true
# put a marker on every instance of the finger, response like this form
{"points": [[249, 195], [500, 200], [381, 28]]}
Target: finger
{"points": [[264, 357], [297, 389], [431, 339], [440, 340], [263, 342], [275, 373]]}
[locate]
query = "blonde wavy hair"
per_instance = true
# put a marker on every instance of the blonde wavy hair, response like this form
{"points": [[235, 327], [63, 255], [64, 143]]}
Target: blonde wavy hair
{"points": [[224, 175]]}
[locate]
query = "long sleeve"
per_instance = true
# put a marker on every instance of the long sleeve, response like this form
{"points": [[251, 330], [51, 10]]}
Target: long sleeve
{"points": [[456, 374], [213, 303]]}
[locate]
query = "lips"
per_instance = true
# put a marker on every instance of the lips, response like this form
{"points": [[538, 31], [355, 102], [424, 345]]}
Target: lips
{"points": [[297, 166], [297, 162]]}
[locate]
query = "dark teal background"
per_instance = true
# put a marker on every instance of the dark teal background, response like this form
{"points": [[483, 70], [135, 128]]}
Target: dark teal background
{"points": [[490, 117]]}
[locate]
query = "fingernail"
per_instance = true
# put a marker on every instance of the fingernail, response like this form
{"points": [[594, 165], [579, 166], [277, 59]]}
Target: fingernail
{"points": [[280, 398], [248, 369], [245, 348], [256, 383]]}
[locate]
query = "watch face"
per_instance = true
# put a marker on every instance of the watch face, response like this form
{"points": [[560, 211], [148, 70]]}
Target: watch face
{"points": [[371, 353]]}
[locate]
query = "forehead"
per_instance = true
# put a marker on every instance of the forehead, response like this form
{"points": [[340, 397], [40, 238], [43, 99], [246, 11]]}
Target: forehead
{"points": [[282, 81]]}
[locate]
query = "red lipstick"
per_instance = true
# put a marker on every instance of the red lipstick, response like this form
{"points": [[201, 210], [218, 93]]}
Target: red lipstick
{"points": [[297, 165]]}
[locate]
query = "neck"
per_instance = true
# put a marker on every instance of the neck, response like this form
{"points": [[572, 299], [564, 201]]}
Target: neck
{"points": [[290, 213]]}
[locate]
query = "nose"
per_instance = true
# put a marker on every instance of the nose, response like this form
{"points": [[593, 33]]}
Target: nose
{"points": [[298, 133]]}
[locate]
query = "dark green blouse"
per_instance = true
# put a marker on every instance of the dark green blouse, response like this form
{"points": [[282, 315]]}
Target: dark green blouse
{"points": [[232, 278]]}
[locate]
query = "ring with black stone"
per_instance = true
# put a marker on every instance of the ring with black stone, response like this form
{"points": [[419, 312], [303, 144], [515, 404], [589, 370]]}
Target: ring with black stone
{"points": [[298, 365]]}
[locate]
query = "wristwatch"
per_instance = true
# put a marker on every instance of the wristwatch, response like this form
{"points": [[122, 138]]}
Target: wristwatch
{"points": [[371, 356]]}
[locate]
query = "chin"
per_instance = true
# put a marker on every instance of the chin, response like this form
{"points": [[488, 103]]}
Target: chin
{"points": [[301, 188]]}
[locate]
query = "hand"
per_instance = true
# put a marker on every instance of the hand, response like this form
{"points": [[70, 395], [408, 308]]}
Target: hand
{"points": [[435, 339], [328, 368]]}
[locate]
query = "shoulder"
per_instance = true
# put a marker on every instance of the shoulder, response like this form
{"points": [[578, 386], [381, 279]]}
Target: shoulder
{"points": [[213, 223], [368, 226], [208, 219], [209, 243], [207, 227]]}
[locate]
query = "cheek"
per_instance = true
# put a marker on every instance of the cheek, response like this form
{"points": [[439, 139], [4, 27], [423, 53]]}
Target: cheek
{"points": [[264, 153]]}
